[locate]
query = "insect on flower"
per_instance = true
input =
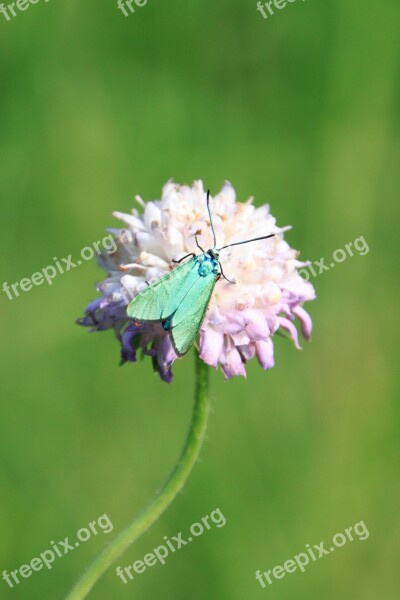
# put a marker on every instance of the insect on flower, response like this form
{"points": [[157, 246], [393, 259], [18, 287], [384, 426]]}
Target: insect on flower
{"points": [[169, 304], [179, 299]]}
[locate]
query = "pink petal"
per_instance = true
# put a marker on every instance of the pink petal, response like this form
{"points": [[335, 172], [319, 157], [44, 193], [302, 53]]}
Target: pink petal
{"points": [[247, 351], [214, 316], [241, 339], [273, 322], [265, 353], [211, 343], [233, 364], [228, 192], [257, 326], [135, 222], [286, 324], [234, 322], [305, 321]]}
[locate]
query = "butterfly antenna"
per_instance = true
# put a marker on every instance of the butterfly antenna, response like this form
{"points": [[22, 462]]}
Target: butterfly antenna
{"points": [[264, 237], [209, 213]]}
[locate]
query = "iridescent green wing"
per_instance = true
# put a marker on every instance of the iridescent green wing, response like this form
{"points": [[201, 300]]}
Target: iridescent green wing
{"points": [[162, 298], [189, 315]]}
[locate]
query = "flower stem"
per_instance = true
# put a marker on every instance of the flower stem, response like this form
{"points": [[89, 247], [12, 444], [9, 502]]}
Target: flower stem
{"points": [[170, 490]]}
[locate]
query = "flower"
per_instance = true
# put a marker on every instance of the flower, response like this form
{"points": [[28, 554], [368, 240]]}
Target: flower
{"points": [[268, 293]]}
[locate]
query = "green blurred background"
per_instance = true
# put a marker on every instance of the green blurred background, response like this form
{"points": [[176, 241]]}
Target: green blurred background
{"points": [[301, 111]]}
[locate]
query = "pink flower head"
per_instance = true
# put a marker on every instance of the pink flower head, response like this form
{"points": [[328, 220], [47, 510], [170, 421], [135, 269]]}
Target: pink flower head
{"points": [[242, 317]]}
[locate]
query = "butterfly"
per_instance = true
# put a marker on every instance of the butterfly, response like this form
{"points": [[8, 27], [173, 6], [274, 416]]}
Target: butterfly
{"points": [[179, 300]]}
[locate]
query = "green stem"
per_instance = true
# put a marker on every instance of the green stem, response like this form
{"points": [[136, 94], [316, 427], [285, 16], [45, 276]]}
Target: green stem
{"points": [[170, 490]]}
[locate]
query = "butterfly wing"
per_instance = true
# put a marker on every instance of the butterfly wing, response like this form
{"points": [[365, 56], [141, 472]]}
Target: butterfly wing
{"points": [[161, 298], [189, 315]]}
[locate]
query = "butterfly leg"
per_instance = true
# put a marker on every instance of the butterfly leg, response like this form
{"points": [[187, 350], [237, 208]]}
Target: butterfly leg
{"points": [[223, 275], [183, 258]]}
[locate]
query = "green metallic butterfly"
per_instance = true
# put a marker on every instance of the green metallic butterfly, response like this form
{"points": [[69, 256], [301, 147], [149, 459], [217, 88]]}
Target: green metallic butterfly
{"points": [[179, 300]]}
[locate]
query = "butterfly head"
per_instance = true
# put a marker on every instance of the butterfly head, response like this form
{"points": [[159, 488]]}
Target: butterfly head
{"points": [[214, 253]]}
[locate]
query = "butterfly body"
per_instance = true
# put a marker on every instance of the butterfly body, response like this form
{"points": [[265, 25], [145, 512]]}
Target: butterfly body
{"points": [[208, 263]]}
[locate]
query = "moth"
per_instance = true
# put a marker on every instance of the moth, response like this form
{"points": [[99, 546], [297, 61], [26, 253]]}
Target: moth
{"points": [[179, 300]]}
